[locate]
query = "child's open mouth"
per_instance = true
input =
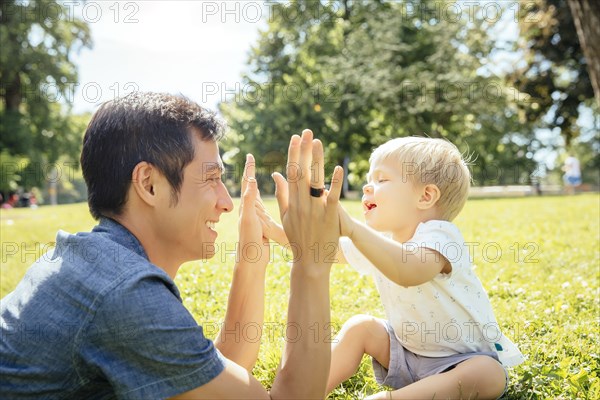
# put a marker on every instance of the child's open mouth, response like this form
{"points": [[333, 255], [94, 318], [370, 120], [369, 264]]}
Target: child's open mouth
{"points": [[370, 206]]}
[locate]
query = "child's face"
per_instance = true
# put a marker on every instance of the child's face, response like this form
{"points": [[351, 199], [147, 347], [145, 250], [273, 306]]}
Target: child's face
{"points": [[390, 200]]}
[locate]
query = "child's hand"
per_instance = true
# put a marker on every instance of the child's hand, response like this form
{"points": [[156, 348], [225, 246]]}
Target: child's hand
{"points": [[271, 229], [346, 222]]}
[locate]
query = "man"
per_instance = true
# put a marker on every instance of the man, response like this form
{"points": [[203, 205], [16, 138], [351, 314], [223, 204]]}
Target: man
{"points": [[152, 166]]}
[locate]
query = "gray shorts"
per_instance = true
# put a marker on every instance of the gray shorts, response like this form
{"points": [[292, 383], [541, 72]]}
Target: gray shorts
{"points": [[407, 367]]}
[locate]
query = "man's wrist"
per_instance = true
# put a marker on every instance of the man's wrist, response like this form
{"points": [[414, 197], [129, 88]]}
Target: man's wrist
{"points": [[282, 239], [313, 270]]}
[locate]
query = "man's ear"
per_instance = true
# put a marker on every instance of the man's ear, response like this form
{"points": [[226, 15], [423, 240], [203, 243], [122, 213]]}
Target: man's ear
{"points": [[143, 180], [430, 194]]}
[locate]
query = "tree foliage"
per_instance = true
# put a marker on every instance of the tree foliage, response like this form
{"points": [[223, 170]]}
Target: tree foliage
{"points": [[37, 77], [554, 69], [362, 72]]}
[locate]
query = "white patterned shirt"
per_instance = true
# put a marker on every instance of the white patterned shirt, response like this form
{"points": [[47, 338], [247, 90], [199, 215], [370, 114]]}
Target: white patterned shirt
{"points": [[450, 314]]}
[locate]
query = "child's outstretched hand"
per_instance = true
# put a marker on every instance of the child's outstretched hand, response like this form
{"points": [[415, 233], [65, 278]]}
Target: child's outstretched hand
{"points": [[346, 222], [274, 231], [271, 229]]}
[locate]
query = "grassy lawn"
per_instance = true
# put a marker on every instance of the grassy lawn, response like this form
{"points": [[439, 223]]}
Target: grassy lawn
{"points": [[537, 257]]}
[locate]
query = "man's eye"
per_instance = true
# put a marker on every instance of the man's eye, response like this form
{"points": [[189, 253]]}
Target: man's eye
{"points": [[214, 179]]}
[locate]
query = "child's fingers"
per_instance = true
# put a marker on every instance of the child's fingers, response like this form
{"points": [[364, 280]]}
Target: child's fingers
{"points": [[336, 185], [281, 193], [262, 214], [259, 203]]}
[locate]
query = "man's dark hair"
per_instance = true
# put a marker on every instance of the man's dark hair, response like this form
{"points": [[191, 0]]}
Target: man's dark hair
{"points": [[151, 127]]}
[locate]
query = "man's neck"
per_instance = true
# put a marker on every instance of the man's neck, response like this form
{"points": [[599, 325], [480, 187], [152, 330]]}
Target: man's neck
{"points": [[155, 248]]}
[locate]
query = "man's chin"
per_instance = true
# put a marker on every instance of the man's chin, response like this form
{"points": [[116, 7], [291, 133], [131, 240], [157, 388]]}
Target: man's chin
{"points": [[206, 256], [206, 252]]}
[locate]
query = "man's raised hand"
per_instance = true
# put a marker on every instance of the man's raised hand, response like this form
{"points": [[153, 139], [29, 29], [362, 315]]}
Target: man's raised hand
{"points": [[310, 223]]}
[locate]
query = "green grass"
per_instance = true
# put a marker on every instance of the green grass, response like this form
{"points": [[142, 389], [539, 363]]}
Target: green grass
{"points": [[544, 285]]}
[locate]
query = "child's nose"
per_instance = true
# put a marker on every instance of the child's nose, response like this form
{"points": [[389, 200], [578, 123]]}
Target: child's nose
{"points": [[368, 189]]}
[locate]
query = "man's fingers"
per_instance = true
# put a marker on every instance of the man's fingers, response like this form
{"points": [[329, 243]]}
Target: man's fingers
{"points": [[281, 193], [317, 169], [293, 163], [250, 194], [306, 146], [249, 171], [335, 189]]}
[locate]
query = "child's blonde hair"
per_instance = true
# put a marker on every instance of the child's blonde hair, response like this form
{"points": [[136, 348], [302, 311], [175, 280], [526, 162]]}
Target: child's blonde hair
{"points": [[430, 161]]}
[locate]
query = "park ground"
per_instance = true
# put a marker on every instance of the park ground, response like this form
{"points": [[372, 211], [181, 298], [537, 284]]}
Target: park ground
{"points": [[538, 258]]}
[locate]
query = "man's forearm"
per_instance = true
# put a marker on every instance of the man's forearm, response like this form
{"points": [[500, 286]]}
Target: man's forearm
{"points": [[308, 313], [245, 314]]}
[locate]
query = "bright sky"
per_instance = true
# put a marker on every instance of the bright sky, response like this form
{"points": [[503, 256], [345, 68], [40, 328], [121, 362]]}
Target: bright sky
{"points": [[198, 49]]}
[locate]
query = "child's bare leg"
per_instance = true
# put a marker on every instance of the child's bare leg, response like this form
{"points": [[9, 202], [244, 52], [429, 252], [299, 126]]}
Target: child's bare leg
{"points": [[480, 377], [360, 334]]}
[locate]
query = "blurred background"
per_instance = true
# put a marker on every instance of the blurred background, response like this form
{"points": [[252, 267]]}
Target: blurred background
{"points": [[509, 82]]}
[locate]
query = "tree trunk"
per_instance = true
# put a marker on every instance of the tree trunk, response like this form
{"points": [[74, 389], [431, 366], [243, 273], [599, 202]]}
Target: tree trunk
{"points": [[586, 15]]}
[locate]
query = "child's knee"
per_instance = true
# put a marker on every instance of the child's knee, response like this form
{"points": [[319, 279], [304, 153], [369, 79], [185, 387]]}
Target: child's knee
{"points": [[364, 325], [489, 374], [368, 333]]}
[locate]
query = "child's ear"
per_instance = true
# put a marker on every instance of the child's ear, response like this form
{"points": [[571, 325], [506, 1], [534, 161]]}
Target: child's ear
{"points": [[430, 194], [142, 181]]}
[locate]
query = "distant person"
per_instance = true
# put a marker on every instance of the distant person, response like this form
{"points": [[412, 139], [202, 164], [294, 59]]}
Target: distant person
{"points": [[25, 199], [572, 176], [33, 201], [12, 201], [100, 316], [440, 338]]}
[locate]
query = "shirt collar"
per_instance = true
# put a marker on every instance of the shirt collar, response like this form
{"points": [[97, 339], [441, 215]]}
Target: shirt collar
{"points": [[121, 235]]}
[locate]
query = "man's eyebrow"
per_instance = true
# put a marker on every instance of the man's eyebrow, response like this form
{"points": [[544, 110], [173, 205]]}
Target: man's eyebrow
{"points": [[213, 168]]}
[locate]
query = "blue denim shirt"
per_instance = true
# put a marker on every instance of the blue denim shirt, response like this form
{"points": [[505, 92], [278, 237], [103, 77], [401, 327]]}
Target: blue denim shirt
{"points": [[95, 319]]}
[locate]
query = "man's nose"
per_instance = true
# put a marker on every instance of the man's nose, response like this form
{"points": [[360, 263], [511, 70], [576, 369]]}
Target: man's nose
{"points": [[224, 203]]}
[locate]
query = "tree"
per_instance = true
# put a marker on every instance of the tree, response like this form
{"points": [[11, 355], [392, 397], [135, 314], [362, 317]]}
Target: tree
{"points": [[586, 15], [37, 75], [553, 71], [292, 85], [425, 72], [366, 71]]}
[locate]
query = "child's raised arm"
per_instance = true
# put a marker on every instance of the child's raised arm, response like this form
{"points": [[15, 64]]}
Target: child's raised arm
{"points": [[404, 265]]}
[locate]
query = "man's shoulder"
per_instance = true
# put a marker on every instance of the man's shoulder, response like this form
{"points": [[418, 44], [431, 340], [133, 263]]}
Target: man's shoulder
{"points": [[83, 268], [105, 264]]}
